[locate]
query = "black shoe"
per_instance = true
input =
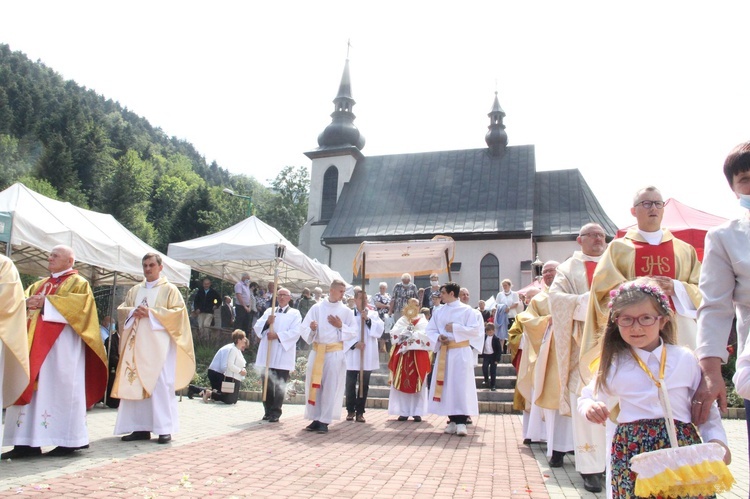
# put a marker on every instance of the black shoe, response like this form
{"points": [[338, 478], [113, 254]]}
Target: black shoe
{"points": [[21, 451], [526, 441], [350, 416], [265, 417], [557, 459], [322, 428], [165, 439], [137, 435], [64, 451], [273, 419], [591, 482], [193, 391], [403, 418], [493, 389], [468, 420], [313, 426], [417, 419]]}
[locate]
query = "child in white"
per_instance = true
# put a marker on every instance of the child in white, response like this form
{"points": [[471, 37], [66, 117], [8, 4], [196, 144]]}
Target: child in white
{"points": [[638, 349]]}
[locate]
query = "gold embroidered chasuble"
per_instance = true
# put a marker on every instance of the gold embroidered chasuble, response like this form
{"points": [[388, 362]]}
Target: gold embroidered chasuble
{"points": [[75, 302], [15, 373], [143, 348], [570, 282], [617, 266], [541, 371]]}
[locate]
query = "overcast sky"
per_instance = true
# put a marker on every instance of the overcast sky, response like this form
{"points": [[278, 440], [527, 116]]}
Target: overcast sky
{"points": [[630, 93]]}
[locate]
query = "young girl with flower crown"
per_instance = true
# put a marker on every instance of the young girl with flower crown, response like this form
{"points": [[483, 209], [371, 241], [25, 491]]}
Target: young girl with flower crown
{"points": [[638, 355]]}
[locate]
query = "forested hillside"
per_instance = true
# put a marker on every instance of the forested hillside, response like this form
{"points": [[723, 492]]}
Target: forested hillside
{"points": [[67, 142]]}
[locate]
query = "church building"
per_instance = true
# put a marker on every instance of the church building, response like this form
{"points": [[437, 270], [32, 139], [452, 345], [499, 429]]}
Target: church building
{"points": [[501, 212]]}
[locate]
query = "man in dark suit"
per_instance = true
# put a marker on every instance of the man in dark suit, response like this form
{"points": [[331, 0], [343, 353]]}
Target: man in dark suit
{"points": [[227, 313]]}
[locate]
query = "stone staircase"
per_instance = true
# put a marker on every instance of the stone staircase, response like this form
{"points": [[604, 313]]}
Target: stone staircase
{"points": [[499, 401]]}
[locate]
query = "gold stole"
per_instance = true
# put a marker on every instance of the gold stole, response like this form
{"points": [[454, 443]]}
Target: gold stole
{"points": [[317, 372], [440, 380]]}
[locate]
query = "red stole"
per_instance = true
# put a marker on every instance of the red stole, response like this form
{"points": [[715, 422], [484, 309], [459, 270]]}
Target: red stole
{"points": [[590, 268], [653, 260], [45, 335]]}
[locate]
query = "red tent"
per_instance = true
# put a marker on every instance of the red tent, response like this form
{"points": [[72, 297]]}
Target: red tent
{"points": [[535, 284], [685, 223]]}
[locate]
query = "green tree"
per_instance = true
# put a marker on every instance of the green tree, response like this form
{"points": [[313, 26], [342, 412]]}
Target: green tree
{"points": [[129, 197], [286, 209]]}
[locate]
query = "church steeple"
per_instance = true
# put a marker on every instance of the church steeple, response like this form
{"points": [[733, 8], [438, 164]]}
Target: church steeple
{"points": [[342, 132], [496, 137]]}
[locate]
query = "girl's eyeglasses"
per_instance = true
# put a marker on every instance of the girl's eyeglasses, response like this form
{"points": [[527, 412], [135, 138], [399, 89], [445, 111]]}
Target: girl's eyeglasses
{"points": [[643, 320]]}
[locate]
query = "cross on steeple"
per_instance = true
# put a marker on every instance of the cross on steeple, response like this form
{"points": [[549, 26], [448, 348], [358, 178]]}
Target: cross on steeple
{"points": [[348, 46]]}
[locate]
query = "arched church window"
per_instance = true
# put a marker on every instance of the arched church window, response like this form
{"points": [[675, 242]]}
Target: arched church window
{"points": [[489, 276], [330, 188]]}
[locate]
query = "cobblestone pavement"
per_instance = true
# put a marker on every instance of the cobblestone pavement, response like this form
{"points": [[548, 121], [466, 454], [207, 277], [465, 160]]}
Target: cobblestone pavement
{"points": [[226, 451]]}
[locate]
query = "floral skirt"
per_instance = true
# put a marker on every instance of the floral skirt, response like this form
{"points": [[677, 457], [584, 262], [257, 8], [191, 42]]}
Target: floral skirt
{"points": [[641, 436]]}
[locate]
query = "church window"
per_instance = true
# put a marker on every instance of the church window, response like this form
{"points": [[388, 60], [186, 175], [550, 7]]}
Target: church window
{"points": [[330, 190], [489, 276]]}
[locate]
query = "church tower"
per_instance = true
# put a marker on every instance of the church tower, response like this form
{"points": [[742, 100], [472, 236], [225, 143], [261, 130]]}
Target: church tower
{"points": [[339, 148], [496, 137]]}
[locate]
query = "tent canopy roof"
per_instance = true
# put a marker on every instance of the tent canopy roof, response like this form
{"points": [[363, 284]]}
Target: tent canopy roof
{"points": [[251, 246], [679, 216], [387, 258], [103, 247]]}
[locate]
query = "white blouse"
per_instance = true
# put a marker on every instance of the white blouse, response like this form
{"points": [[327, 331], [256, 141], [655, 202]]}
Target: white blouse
{"points": [[638, 395], [235, 364]]}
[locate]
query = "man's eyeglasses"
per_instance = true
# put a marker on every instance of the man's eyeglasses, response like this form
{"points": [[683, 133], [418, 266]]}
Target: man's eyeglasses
{"points": [[643, 320], [648, 204], [595, 235]]}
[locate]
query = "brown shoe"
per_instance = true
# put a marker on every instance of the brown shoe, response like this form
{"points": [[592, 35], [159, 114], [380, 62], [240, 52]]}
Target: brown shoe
{"points": [[360, 418], [350, 416]]}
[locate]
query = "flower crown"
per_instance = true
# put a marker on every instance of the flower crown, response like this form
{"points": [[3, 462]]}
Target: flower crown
{"points": [[643, 287]]}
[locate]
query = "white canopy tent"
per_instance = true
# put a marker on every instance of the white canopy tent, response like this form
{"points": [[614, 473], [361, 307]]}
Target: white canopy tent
{"points": [[106, 252], [387, 258], [251, 246]]}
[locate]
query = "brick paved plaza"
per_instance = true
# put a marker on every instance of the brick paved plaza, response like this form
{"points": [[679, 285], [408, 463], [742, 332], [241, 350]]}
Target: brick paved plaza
{"points": [[226, 451]]}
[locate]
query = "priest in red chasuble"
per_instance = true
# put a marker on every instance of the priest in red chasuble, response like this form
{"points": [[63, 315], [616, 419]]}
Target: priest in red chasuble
{"points": [[650, 251], [409, 364], [67, 360]]}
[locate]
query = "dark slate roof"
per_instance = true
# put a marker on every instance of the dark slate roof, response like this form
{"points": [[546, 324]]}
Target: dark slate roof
{"points": [[466, 194], [457, 193], [563, 203]]}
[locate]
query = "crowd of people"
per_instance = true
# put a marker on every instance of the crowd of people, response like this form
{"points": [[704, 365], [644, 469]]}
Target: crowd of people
{"points": [[619, 340]]}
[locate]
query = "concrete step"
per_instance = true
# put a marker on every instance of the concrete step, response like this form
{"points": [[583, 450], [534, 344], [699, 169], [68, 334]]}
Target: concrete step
{"points": [[381, 379], [485, 406]]}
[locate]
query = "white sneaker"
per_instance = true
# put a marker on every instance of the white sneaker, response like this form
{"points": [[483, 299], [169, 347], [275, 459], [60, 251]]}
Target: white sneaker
{"points": [[461, 430], [451, 428]]}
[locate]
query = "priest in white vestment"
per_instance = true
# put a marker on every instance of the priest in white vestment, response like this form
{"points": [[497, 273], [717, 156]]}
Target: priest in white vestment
{"points": [[67, 364], [568, 299], [278, 329], [454, 330], [156, 356], [361, 353], [327, 325]]}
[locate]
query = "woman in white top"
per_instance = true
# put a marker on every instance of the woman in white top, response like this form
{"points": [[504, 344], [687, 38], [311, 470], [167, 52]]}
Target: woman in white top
{"points": [[235, 370]]}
